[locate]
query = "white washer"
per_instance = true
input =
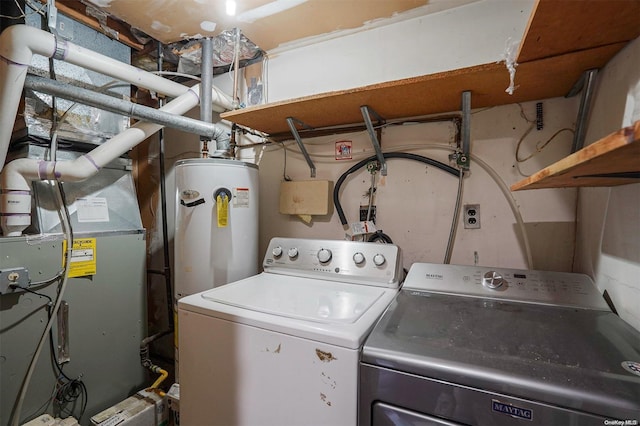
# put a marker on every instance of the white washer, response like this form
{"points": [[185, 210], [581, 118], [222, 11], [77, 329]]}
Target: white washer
{"points": [[282, 347]]}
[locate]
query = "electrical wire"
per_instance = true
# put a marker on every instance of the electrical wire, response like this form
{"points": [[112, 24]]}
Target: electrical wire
{"points": [[539, 146], [66, 389], [177, 74], [284, 168], [22, 14]]}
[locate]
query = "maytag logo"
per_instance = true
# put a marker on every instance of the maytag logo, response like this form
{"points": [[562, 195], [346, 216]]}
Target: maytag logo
{"points": [[433, 276], [511, 410]]}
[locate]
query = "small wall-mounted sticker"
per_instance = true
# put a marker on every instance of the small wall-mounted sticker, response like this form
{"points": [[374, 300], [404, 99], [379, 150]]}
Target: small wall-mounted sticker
{"points": [[343, 150]]}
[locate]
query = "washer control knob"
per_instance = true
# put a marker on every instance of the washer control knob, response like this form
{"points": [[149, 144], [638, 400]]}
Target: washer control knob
{"points": [[492, 280], [379, 259], [324, 255], [277, 251], [292, 253], [358, 258]]}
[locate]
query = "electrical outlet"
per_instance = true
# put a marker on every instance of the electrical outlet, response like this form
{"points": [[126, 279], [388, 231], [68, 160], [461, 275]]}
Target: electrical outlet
{"points": [[363, 213], [472, 216]]}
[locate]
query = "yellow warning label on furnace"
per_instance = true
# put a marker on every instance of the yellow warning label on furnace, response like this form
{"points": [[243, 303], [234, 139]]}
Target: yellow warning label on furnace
{"points": [[83, 257]]}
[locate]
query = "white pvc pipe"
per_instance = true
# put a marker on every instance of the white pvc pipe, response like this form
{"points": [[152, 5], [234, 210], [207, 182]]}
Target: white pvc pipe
{"points": [[17, 175], [19, 43]]}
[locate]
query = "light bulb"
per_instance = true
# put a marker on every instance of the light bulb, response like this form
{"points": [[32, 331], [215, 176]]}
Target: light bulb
{"points": [[231, 7]]}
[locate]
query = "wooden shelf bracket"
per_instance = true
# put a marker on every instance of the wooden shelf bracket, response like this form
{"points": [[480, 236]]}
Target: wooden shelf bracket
{"points": [[366, 114], [294, 131]]}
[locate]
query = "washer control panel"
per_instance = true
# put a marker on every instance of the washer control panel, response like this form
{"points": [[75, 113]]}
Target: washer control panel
{"points": [[543, 287], [348, 261]]}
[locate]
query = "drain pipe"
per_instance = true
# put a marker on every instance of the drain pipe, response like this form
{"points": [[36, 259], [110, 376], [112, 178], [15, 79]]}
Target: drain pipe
{"points": [[119, 106], [15, 199], [19, 43]]}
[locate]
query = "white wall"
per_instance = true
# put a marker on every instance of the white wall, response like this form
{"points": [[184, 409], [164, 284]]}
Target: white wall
{"points": [[465, 36], [415, 202], [608, 247]]}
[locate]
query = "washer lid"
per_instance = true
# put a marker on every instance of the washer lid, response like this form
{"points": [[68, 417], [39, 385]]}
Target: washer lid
{"points": [[306, 299], [325, 311]]}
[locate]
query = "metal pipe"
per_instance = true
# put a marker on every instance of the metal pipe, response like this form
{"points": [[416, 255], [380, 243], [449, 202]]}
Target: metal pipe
{"points": [[454, 220], [206, 74], [466, 130], [19, 43], [120, 106], [365, 110], [236, 66], [163, 205], [294, 131]]}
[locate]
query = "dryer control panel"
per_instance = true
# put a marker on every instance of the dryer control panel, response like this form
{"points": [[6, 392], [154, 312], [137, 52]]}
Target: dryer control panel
{"points": [[543, 287], [338, 260]]}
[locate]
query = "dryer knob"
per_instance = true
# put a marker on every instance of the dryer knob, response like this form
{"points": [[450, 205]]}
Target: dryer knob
{"points": [[492, 280], [379, 259], [277, 251], [292, 253], [358, 258], [324, 255]]}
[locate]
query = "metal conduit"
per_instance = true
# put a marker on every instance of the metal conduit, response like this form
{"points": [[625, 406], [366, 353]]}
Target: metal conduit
{"points": [[119, 106]]}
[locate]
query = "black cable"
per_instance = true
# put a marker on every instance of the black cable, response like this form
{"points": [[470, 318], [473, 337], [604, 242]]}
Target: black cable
{"points": [[379, 236], [386, 155]]}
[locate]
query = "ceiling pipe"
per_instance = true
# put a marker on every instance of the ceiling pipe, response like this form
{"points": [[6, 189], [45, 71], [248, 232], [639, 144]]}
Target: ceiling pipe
{"points": [[119, 106], [206, 81], [222, 138], [15, 197], [19, 43]]}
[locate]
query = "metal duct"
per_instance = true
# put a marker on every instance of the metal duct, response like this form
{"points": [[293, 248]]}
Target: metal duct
{"points": [[120, 106]]}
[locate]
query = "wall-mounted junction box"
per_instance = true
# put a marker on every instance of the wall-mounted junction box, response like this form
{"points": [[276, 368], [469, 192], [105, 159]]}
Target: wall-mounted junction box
{"points": [[472, 216]]}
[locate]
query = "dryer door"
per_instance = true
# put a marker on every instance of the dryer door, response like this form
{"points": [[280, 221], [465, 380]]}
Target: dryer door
{"points": [[388, 415]]}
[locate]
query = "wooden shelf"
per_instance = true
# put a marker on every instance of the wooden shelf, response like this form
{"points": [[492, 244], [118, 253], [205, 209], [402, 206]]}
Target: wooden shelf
{"points": [[603, 163], [429, 94], [563, 40]]}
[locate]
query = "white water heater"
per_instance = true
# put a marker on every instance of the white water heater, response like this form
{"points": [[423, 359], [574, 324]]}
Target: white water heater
{"points": [[216, 239]]}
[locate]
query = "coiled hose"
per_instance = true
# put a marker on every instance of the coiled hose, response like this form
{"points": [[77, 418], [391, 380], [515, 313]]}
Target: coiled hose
{"points": [[386, 155]]}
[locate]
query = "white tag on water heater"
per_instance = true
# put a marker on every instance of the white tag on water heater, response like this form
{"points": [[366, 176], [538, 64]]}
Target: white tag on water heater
{"points": [[241, 197]]}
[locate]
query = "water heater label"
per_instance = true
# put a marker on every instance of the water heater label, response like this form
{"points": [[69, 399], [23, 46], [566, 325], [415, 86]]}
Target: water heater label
{"points": [[241, 197]]}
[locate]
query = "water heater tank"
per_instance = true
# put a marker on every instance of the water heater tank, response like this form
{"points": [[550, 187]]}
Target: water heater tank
{"points": [[216, 239]]}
